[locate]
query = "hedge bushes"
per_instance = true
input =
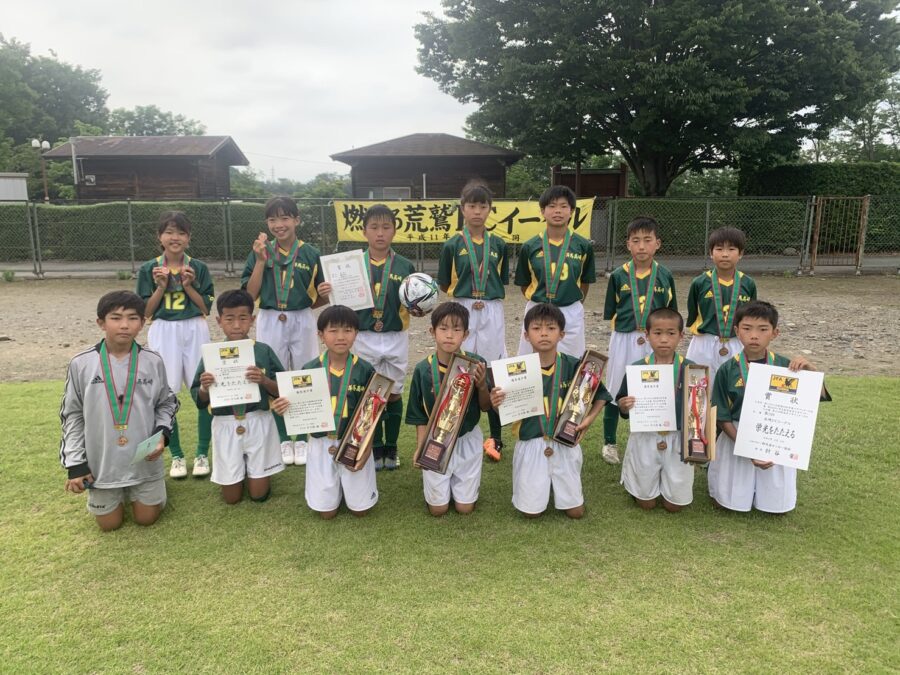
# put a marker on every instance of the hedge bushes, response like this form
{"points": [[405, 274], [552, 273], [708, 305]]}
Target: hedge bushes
{"points": [[851, 180]]}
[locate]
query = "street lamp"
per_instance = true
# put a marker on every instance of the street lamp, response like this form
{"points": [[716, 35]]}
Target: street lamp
{"points": [[42, 147]]}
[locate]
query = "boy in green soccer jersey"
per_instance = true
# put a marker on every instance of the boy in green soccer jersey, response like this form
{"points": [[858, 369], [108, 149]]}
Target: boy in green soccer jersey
{"points": [[178, 290], [539, 462], [246, 438], [327, 481], [450, 327], [474, 270], [543, 279], [713, 299], [383, 338], [739, 483], [634, 290], [283, 275]]}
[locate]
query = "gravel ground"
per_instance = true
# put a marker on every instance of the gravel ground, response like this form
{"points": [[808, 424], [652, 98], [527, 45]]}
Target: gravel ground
{"points": [[843, 325]]}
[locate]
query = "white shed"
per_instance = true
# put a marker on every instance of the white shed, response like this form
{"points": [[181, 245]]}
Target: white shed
{"points": [[13, 187]]}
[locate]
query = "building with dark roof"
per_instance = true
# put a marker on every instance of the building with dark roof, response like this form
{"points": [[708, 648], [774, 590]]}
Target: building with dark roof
{"points": [[432, 166], [150, 167]]}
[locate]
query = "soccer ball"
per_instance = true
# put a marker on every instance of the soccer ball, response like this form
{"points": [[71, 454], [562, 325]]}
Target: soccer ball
{"points": [[419, 293]]}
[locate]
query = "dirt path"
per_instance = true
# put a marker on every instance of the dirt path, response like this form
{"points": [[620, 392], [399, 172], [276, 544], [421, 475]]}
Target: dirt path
{"points": [[842, 324]]}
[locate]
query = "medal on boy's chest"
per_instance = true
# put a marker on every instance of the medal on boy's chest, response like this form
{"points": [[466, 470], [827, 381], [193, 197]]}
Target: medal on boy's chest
{"points": [[548, 451], [552, 275], [641, 340], [480, 271], [119, 406], [549, 418], [333, 448], [723, 350], [478, 304], [240, 412], [661, 444], [379, 324], [725, 318], [283, 274], [379, 299], [282, 317], [123, 441], [641, 312]]}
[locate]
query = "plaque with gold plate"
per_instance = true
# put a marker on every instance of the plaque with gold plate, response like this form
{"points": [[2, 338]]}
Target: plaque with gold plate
{"points": [[698, 428], [356, 445], [580, 397], [450, 405]]}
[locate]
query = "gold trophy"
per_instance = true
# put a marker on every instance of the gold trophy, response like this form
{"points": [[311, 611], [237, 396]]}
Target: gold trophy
{"points": [[698, 443], [356, 445], [580, 397]]}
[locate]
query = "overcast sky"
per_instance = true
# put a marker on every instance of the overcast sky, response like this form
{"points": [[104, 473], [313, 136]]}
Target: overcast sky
{"points": [[292, 82]]}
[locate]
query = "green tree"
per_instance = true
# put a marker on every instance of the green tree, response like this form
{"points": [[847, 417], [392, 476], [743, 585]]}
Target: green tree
{"points": [[150, 120], [325, 185], [247, 184], [670, 86]]}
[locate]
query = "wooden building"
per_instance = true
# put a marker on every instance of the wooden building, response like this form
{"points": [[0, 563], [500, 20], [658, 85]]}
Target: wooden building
{"points": [[593, 182], [432, 166], [151, 167]]}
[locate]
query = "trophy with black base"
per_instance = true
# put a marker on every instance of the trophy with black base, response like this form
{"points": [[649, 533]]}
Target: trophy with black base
{"points": [[356, 445], [447, 416], [699, 423], [580, 397]]}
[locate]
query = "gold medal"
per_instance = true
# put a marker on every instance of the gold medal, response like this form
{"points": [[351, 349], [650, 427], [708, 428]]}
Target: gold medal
{"points": [[379, 325], [282, 317], [478, 305], [548, 452], [241, 430], [723, 351], [122, 441], [662, 445], [641, 340], [333, 449]]}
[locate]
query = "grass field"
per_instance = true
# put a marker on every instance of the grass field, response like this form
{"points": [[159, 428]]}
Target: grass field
{"points": [[271, 588]]}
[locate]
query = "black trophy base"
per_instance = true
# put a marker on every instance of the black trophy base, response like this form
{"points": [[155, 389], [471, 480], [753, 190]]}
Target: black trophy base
{"points": [[568, 434], [697, 450], [431, 458], [348, 457]]}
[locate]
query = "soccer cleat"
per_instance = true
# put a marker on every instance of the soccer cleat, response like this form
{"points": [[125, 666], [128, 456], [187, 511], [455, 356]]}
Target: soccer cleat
{"points": [[493, 448], [201, 466], [379, 464], [391, 463], [610, 453], [178, 468], [300, 450], [287, 452]]}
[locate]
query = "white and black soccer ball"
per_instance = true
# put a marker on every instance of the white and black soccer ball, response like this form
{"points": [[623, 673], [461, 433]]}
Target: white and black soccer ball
{"points": [[419, 293]]}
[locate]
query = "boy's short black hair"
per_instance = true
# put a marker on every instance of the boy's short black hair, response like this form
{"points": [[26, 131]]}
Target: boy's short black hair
{"points": [[176, 218], [554, 192], [381, 212], [757, 309], [545, 312], [120, 299], [451, 309], [727, 235], [642, 224], [338, 316], [282, 206], [233, 299], [665, 314], [476, 192]]}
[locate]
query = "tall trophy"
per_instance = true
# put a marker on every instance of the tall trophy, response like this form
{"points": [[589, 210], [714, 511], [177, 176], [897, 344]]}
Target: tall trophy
{"points": [[356, 445], [447, 415], [580, 397], [699, 424]]}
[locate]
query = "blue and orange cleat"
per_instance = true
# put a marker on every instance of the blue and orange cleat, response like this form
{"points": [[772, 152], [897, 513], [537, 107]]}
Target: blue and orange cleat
{"points": [[493, 448]]}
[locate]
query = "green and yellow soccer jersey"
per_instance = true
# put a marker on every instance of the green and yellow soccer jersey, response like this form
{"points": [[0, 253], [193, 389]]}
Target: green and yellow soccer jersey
{"points": [[579, 269], [176, 305], [265, 359], [530, 427], [728, 390], [619, 310], [679, 386], [455, 268], [395, 317], [305, 276], [360, 375], [422, 394], [702, 305]]}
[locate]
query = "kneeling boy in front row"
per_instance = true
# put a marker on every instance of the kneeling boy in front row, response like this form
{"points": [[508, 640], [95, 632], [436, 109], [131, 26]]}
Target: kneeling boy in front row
{"points": [[116, 396], [450, 327], [245, 438], [540, 463], [652, 466]]}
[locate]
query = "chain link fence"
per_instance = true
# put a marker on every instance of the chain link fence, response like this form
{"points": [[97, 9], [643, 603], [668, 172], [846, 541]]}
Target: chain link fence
{"points": [[97, 238]]}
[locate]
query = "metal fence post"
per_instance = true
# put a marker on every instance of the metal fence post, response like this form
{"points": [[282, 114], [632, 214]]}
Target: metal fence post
{"points": [[807, 253], [37, 243], [131, 237], [226, 234], [34, 264], [611, 233], [861, 240], [706, 231]]}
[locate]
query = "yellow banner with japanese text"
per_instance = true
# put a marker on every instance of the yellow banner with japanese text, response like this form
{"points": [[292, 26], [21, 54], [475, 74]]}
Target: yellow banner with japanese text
{"points": [[435, 221]]}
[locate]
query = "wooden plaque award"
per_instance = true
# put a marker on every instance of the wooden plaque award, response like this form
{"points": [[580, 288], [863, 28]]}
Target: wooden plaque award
{"points": [[580, 397], [356, 445], [698, 428], [450, 406]]}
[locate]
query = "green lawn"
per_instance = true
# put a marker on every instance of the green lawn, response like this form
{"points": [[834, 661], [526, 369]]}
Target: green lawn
{"points": [[271, 588]]}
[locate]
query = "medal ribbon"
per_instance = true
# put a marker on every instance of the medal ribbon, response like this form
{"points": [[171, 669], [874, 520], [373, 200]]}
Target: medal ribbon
{"points": [[742, 363], [119, 414], [342, 394], [640, 317], [548, 419], [282, 281], [479, 280], [551, 281], [725, 327], [436, 373], [385, 278], [677, 361]]}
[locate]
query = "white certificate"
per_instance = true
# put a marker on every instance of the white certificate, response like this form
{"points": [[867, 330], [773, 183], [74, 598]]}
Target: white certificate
{"points": [[520, 379], [310, 410], [145, 447], [228, 362], [778, 417], [349, 279], [653, 388]]}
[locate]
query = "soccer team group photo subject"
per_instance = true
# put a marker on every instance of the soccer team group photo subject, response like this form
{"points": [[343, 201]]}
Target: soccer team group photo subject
{"points": [[325, 389]]}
